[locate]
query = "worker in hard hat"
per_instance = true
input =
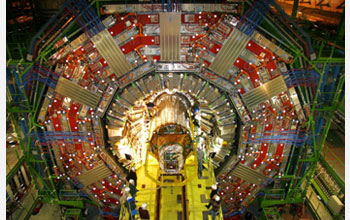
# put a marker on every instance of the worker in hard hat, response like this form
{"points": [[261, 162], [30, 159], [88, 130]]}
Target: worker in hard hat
{"points": [[132, 187], [132, 175], [214, 191], [144, 215], [215, 202]]}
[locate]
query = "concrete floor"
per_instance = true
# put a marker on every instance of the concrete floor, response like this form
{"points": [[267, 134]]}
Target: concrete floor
{"points": [[47, 212]]}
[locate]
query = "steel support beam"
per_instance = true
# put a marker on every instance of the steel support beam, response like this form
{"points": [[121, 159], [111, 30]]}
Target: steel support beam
{"points": [[295, 9], [74, 203], [328, 60], [319, 190], [341, 28], [14, 170]]}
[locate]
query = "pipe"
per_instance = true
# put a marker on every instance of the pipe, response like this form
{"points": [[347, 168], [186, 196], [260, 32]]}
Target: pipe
{"points": [[285, 32], [37, 35], [267, 19], [78, 21], [46, 34], [55, 34], [300, 38], [90, 13], [311, 51]]}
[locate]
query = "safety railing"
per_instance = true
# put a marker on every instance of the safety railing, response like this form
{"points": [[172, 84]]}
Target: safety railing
{"points": [[73, 213], [271, 213], [272, 194]]}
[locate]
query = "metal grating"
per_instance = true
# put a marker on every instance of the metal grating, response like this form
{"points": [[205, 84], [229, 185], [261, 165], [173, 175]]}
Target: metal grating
{"points": [[264, 92], [92, 176], [170, 26], [112, 164], [77, 93], [226, 57], [111, 52], [248, 174]]}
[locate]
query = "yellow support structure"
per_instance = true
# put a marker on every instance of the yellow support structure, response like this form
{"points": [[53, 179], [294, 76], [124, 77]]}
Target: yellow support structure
{"points": [[197, 190]]}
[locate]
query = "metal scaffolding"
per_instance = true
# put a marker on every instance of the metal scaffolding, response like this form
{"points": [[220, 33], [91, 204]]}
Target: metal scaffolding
{"points": [[318, 81]]}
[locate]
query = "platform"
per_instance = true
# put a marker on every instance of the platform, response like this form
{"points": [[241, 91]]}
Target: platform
{"points": [[171, 201]]}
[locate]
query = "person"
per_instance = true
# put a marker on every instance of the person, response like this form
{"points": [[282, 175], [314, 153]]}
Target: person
{"points": [[144, 215], [131, 202], [214, 191], [131, 206], [132, 187], [215, 202], [132, 175]]}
